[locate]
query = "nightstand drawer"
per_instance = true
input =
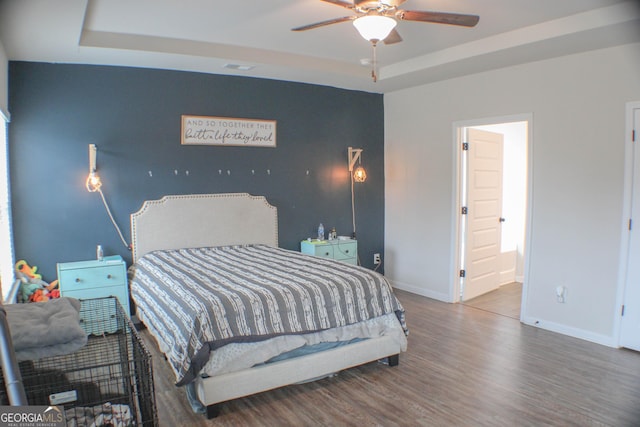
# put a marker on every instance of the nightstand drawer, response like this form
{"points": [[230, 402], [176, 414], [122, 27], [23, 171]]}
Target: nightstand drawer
{"points": [[343, 251], [325, 251], [89, 278], [340, 250]]}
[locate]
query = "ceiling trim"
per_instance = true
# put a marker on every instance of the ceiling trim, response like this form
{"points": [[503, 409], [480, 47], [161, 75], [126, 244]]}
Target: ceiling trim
{"points": [[547, 31], [111, 40]]}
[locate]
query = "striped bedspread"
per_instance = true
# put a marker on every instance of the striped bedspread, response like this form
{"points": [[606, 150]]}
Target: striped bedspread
{"points": [[197, 300]]}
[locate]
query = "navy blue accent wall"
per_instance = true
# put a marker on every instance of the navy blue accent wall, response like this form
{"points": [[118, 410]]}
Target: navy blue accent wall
{"points": [[133, 116]]}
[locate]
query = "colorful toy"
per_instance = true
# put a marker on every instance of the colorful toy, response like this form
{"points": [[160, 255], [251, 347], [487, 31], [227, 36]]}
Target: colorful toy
{"points": [[23, 267], [28, 289], [38, 296], [32, 287], [53, 285]]}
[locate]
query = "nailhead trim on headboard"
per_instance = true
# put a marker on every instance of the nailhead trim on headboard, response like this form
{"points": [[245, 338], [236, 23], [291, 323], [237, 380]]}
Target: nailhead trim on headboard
{"points": [[162, 216]]}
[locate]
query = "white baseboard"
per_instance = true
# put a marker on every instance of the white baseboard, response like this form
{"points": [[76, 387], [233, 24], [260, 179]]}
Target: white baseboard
{"points": [[605, 340], [420, 291], [608, 341], [507, 277]]}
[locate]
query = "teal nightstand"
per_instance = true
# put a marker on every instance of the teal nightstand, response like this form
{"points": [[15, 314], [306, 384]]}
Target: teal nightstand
{"points": [[341, 250], [95, 279]]}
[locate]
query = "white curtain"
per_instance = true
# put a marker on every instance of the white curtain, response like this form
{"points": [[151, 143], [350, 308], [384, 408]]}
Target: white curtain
{"points": [[7, 276]]}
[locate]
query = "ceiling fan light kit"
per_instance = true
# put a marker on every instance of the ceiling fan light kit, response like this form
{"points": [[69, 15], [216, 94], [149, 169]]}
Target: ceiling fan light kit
{"points": [[376, 20], [374, 27]]}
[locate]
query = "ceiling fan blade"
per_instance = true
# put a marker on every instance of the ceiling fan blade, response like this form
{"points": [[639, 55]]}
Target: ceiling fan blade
{"points": [[439, 17], [392, 3], [393, 37], [345, 4], [323, 23]]}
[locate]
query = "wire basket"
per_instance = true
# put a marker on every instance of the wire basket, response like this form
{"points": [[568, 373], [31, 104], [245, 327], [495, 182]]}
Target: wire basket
{"points": [[107, 382]]}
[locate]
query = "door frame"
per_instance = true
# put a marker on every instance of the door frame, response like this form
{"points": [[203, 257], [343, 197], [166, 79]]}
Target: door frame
{"points": [[456, 229], [626, 215]]}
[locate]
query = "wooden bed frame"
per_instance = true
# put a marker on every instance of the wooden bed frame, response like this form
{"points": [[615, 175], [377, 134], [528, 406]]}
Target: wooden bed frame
{"points": [[239, 218]]}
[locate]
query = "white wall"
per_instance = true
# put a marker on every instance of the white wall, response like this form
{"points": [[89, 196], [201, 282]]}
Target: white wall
{"points": [[578, 108]]}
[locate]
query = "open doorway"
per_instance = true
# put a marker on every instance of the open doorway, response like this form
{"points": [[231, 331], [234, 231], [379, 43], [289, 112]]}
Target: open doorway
{"points": [[629, 288], [492, 195]]}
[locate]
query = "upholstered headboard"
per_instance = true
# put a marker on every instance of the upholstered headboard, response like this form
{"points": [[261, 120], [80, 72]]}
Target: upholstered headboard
{"points": [[198, 220]]}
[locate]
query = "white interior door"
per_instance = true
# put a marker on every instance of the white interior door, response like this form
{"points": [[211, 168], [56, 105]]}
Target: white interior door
{"points": [[630, 322], [484, 208]]}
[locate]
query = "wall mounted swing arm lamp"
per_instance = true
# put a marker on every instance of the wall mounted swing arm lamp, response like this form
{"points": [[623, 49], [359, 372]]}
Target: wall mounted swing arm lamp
{"points": [[94, 185], [358, 174], [93, 182]]}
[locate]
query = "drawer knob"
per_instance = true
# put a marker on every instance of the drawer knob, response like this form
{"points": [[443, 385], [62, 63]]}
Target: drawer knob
{"points": [[346, 251], [326, 254], [77, 280], [109, 276]]}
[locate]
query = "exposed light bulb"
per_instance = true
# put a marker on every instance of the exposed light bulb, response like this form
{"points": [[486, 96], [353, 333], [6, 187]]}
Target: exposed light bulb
{"points": [[93, 183], [359, 174]]}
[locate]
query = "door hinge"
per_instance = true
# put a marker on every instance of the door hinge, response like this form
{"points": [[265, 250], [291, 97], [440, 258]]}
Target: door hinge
{"points": [[463, 273], [465, 146], [630, 224], [464, 210], [633, 135], [622, 311]]}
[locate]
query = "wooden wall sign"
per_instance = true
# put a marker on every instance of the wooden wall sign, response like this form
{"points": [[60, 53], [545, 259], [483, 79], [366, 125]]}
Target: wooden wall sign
{"points": [[203, 130]]}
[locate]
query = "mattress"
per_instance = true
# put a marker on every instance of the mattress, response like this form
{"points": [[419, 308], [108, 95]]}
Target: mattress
{"points": [[199, 300]]}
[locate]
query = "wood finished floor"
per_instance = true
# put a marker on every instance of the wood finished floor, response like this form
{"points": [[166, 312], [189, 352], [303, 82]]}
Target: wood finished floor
{"points": [[464, 367], [506, 300]]}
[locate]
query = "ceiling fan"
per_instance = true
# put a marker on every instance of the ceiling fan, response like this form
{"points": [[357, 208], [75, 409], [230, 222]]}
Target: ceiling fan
{"points": [[375, 20]]}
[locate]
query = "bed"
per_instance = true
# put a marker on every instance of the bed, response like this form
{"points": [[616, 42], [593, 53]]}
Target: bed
{"points": [[211, 285]]}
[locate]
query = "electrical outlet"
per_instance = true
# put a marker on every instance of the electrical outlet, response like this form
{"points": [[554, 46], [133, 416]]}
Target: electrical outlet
{"points": [[561, 294], [376, 259]]}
